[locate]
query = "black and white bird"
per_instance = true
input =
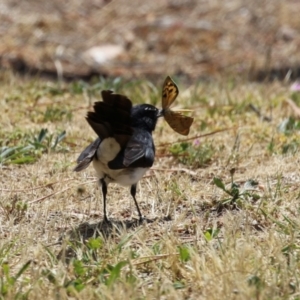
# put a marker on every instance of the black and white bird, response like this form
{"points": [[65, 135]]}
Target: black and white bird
{"points": [[124, 149]]}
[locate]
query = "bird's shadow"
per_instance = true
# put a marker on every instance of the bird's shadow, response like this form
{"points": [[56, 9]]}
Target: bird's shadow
{"points": [[105, 229]]}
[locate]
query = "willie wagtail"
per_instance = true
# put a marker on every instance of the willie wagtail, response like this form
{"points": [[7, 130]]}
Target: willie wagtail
{"points": [[124, 149]]}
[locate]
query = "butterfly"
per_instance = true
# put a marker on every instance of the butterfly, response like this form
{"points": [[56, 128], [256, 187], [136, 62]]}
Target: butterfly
{"points": [[177, 121]]}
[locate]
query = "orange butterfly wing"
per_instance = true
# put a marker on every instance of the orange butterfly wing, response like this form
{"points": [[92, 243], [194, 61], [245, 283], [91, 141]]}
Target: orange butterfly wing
{"points": [[177, 121], [169, 93]]}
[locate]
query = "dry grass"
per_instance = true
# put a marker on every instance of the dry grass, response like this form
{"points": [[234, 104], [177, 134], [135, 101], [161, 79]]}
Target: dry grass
{"points": [[197, 246]]}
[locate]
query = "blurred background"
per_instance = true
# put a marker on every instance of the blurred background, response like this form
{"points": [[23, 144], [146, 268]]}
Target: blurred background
{"points": [[78, 39]]}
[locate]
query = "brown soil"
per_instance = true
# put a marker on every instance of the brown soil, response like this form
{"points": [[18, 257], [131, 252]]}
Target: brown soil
{"points": [[197, 39]]}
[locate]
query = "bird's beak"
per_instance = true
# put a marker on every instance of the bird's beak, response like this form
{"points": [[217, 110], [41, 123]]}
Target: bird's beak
{"points": [[160, 113]]}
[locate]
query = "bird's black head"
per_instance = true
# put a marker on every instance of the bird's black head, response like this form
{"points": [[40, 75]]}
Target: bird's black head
{"points": [[145, 116]]}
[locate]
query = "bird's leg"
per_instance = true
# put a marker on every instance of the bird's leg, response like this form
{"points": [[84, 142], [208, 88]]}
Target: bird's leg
{"points": [[133, 192], [104, 192]]}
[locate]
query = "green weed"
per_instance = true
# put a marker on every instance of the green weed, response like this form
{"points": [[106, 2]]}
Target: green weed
{"points": [[195, 155], [31, 147]]}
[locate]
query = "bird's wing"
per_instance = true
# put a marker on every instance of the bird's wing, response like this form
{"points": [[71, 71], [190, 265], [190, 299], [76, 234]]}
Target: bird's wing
{"points": [[139, 152], [87, 155], [110, 118]]}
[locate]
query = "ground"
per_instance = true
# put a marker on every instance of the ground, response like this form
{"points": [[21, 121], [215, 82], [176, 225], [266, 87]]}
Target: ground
{"points": [[221, 204], [255, 39]]}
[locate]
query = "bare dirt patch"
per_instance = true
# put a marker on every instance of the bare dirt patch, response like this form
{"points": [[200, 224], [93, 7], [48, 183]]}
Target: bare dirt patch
{"points": [[79, 39]]}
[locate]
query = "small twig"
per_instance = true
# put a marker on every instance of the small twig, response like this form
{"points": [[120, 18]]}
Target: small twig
{"points": [[196, 137], [54, 193], [46, 185], [175, 170], [92, 181], [35, 188], [259, 114], [45, 197], [294, 106]]}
